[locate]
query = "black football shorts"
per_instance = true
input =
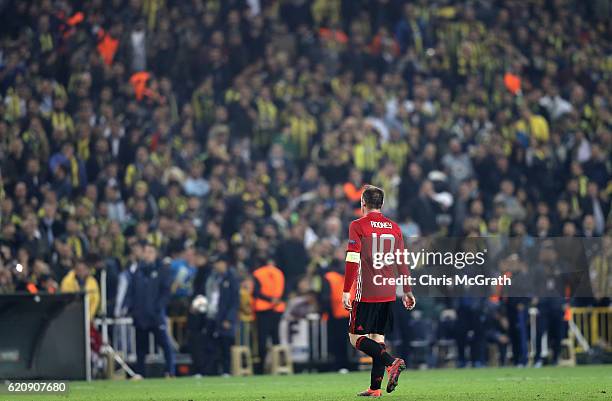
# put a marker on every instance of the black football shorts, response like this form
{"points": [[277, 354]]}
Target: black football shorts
{"points": [[371, 318]]}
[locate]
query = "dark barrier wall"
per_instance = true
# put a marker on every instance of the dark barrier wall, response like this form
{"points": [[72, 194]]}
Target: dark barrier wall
{"points": [[43, 336]]}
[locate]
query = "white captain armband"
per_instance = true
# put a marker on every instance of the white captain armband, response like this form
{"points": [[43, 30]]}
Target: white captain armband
{"points": [[353, 257]]}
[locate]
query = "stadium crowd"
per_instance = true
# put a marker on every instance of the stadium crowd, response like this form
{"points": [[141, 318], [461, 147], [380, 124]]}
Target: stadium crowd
{"points": [[232, 136]]}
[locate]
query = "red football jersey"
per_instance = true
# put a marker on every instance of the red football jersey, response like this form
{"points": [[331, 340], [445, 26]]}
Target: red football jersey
{"points": [[370, 235]]}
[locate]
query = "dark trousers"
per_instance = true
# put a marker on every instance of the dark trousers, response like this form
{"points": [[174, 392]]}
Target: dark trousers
{"points": [[518, 324], [196, 325], [502, 349], [267, 327], [497, 338], [470, 331], [209, 350], [402, 334], [337, 341], [550, 320], [142, 346], [224, 352]]}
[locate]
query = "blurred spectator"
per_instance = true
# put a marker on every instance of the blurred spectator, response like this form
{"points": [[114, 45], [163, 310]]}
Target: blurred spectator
{"points": [[183, 271], [470, 331], [268, 304], [338, 317], [147, 299], [81, 279], [221, 289], [550, 304], [496, 330]]}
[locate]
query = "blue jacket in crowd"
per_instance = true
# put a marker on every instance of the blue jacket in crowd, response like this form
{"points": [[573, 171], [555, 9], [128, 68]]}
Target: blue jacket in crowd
{"points": [[229, 301], [148, 295]]}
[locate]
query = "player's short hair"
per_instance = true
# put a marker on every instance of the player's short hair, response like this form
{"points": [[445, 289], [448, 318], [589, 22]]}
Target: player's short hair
{"points": [[373, 197]]}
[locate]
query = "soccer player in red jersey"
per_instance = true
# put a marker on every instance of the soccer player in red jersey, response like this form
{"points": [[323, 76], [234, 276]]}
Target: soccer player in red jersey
{"points": [[371, 236]]}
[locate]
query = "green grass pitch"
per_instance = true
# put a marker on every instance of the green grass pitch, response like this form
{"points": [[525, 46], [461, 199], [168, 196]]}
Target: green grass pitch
{"points": [[579, 383]]}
